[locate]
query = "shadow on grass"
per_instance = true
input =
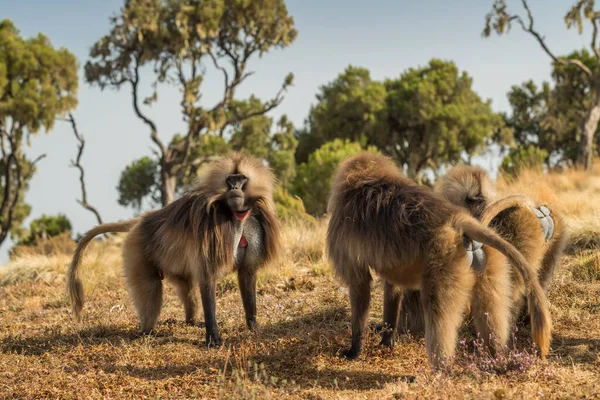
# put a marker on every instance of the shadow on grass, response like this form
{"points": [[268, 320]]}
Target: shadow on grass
{"points": [[159, 373], [295, 348], [114, 336], [579, 350]]}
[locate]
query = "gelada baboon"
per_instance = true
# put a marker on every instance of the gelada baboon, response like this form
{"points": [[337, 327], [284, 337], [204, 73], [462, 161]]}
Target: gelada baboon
{"points": [[227, 220], [536, 229], [413, 239]]}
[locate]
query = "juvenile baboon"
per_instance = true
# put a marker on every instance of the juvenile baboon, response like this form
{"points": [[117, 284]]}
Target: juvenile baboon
{"points": [[536, 229], [413, 239], [227, 220]]}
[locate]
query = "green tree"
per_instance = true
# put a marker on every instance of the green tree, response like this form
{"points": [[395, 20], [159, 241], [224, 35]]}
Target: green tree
{"points": [[428, 117], [37, 84], [434, 117], [313, 181], [178, 38], [500, 20], [350, 107], [137, 182], [281, 153], [46, 227], [549, 117]]}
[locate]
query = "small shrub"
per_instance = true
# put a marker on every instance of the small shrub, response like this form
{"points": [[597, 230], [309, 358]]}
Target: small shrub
{"points": [[314, 177], [586, 268], [524, 158], [57, 245]]}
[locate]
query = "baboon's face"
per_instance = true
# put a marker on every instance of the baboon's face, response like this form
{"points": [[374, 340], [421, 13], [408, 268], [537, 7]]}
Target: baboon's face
{"points": [[475, 201], [236, 195]]}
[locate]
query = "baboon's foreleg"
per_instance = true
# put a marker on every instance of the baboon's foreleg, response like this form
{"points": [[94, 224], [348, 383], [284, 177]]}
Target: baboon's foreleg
{"points": [[209, 304], [189, 298], [445, 294], [247, 283], [411, 313], [491, 304], [392, 296], [360, 298]]}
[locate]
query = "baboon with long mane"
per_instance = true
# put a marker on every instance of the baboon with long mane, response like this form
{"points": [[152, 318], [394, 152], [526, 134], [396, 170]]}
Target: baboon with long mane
{"points": [[226, 221], [413, 238], [536, 229]]}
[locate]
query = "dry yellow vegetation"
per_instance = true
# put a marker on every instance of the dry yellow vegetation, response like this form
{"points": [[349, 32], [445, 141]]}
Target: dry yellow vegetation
{"points": [[304, 318]]}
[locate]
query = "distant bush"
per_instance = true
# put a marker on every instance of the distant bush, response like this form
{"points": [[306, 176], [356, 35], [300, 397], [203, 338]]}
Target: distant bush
{"points": [[314, 177], [45, 227], [289, 206], [60, 244], [524, 157], [45, 235]]}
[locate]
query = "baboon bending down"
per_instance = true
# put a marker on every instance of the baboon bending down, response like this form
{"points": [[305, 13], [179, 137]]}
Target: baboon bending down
{"points": [[227, 220], [413, 239], [536, 229]]}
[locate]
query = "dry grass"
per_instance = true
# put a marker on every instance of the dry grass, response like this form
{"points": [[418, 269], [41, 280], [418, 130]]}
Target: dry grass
{"points": [[304, 317]]}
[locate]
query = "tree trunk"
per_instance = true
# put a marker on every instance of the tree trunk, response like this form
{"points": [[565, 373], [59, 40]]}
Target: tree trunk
{"points": [[586, 142], [168, 185]]}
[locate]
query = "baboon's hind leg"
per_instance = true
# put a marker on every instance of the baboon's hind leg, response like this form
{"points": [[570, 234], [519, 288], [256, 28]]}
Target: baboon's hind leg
{"points": [[551, 260], [392, 296], [360, 299], [491, 304], [411, 313], [187, 293], [145, 288], [445, 294]]}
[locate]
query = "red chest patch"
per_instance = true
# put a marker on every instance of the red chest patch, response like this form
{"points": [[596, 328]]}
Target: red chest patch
{"points": [[243, 242]]}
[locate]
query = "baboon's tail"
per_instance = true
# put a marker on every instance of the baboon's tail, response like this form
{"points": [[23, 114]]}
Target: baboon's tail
{"points": [[74, 286], [541, 321], [517, 200]]}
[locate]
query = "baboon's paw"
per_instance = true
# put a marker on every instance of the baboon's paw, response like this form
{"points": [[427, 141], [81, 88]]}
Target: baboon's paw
{"points": [[213, 341], [252, 324], [387, 339], [350, 354]]}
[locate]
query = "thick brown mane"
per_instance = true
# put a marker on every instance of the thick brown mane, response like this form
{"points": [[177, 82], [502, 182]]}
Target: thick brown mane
{"points": [[201, 213]]}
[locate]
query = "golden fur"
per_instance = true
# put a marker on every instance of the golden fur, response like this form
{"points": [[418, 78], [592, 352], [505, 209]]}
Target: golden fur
{"points": [[192, 241], [512, 217], [412, 238]]}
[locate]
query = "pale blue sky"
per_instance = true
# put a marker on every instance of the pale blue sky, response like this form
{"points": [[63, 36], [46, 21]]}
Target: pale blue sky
{"points": [[384, 36]]}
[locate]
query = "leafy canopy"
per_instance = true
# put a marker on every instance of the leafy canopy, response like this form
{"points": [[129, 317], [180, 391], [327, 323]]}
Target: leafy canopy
{"points": [[428, 117], [179, 39], [37, 84], [549, 117]]}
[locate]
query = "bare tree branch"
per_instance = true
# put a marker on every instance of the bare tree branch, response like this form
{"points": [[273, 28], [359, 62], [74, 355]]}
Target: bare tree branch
{"points": [[77, 164], [138, 112], [529, 28], [38, 159], [12, 192], [221, 68], [271, 105], [594, 20]]}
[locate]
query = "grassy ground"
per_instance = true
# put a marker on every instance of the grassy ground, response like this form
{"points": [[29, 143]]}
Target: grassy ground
{"points": [[304, 317]]}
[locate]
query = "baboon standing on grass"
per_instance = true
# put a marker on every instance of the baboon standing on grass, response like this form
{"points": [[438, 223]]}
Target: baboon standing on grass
{"points": [[227, 220], [413, 239], [536, 229]]}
